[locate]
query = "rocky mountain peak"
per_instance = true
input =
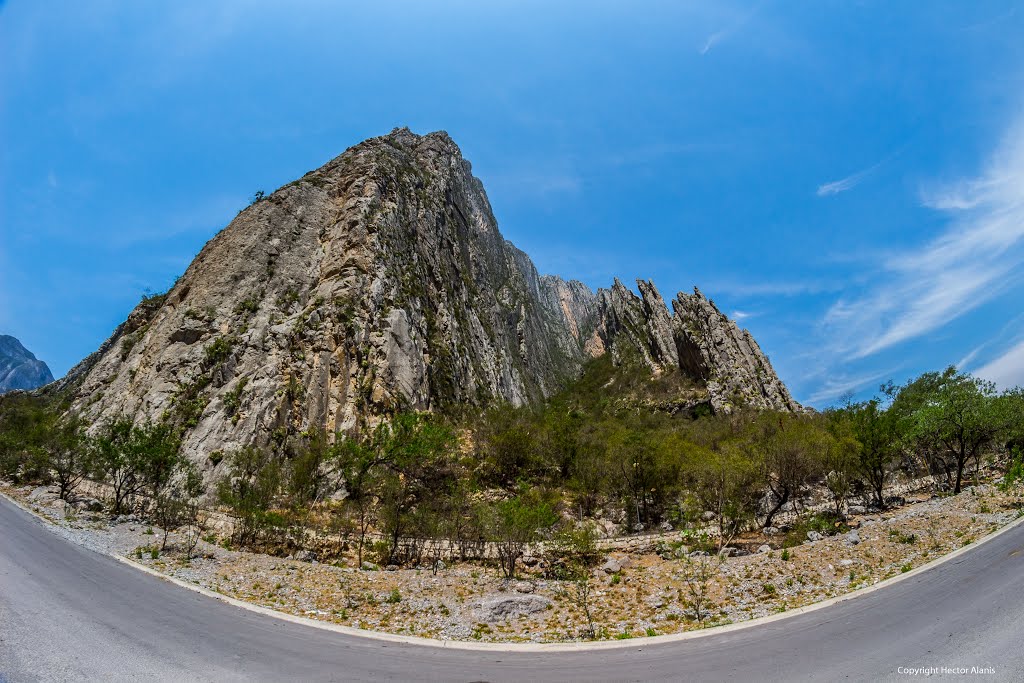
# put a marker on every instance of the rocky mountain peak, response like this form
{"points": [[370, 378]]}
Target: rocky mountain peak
{"points": [[715, 349], [19, 368], [376, 283]]}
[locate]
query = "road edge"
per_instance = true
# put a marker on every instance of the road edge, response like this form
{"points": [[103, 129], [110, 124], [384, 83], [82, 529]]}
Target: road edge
{"points": [[638, 642]]}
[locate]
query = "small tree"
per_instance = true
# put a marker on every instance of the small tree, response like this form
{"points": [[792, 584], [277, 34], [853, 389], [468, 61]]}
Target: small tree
{"points": [[413, 465], [728, 483], [645, 472], [513, 524], [582, 592], [878, 437], [354, 463], [250, 489], [839, 459], [574, 553], [963, 419], [697, 575], [66, 454], [176, 505], [156, 450], [116, 461], [192, 518], [789, 450]]}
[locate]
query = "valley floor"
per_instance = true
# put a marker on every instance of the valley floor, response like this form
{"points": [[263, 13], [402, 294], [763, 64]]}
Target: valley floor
{"points": [[634, 594]]}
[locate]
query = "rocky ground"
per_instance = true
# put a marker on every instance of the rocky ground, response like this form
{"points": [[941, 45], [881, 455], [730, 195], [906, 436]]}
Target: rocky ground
{"points": [[644, 592]]}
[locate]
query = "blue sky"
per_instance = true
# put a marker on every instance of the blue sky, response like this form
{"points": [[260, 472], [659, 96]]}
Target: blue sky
{"points": [[844, 178]]}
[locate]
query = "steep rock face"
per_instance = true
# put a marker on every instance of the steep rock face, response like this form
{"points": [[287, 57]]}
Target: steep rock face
{"points": [[697, 340], [714, 348], [19, 368], [575, 309], [380, 282], [637, 325]]}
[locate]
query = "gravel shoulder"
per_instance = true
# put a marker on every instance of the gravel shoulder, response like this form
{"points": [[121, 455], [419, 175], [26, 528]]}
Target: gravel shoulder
{"points": [[637, 593]]}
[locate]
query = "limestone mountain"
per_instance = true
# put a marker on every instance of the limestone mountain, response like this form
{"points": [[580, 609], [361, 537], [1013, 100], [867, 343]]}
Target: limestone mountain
{"points": [[380, 282], [19, 369]]}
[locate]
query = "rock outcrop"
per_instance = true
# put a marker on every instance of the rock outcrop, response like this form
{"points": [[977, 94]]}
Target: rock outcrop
{"points": [[696, 340], [713, 348], [380, 282], [19, 368]]}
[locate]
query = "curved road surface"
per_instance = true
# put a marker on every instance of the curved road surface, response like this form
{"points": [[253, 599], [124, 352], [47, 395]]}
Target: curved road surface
{"points": [[67, 613]]}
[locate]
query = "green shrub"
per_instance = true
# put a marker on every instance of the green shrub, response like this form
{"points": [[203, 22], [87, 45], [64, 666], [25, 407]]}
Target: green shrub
{"points": [[902, 537], [250, 489], [572, 554], [1015, 472], [233, 398], [249, 305], [826, 523], [218, 351]]}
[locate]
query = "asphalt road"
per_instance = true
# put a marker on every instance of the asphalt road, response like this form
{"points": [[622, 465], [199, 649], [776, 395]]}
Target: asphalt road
{"points": [[67, 613]]}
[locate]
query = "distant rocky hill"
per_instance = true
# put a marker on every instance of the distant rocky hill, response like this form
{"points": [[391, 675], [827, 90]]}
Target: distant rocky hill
{"points": [[380, 282], [19, 369]]}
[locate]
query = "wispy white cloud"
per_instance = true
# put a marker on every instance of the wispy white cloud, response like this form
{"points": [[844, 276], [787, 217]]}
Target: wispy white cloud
{"points": [[1007, 370], [837, 186], [965, 362], [737, 24], [711, 41], [740, 316], [1008, 336], [973, 260], [834, 387], [851, 181], [774, 288]]}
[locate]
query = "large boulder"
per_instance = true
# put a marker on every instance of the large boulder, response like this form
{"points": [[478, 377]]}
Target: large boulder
{"points": [[505, 606]]}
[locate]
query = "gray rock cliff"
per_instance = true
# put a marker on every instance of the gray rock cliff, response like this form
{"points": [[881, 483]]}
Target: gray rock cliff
{"points": [[696, 339], [380, 282]]}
